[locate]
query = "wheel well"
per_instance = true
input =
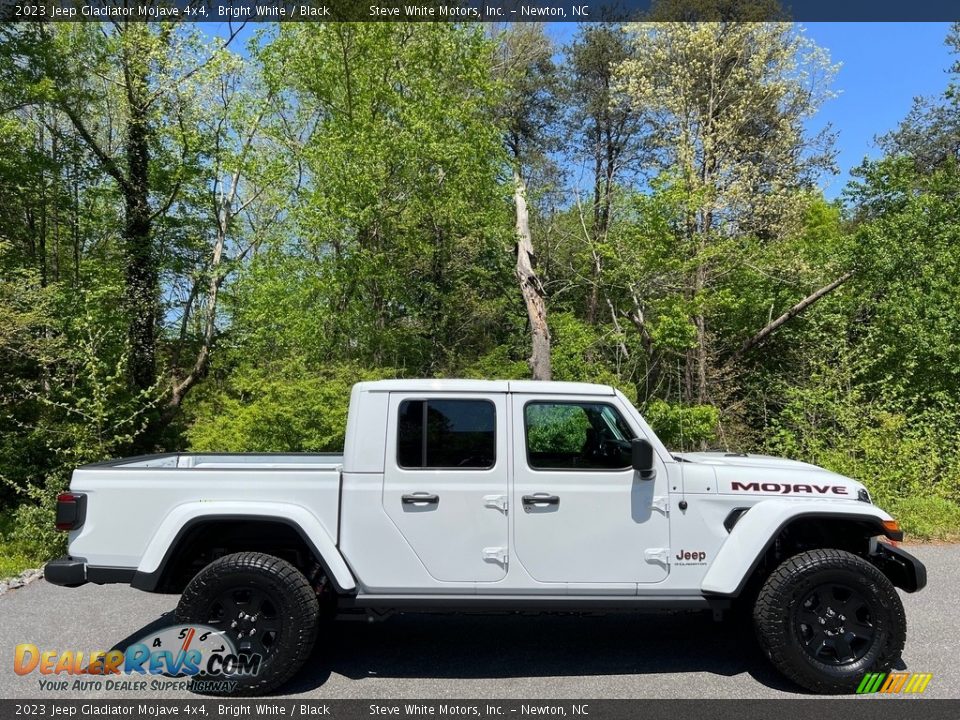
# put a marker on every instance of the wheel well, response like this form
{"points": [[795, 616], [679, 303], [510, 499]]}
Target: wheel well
{"points": [[201, 543], [808, 533]]}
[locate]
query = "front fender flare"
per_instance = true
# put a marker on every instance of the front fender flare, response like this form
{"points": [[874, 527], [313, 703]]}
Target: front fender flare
{"points": [[183, 517], [756, 530]]}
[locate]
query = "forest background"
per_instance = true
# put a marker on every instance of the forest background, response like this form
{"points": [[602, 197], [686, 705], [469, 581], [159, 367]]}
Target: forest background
{"points": [[207, 237]]}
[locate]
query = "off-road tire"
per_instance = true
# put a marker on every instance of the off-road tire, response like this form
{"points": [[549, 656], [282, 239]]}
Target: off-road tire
{"points": [[779, 609], [295, 603]]}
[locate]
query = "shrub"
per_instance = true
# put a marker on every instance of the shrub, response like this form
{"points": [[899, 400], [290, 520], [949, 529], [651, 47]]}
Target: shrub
{"points": [[682, 426]]}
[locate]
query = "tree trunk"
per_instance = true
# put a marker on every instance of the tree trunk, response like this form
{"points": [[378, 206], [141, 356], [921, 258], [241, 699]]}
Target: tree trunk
{"points": [[202, 362], [605, 157], [700, 283], [651, 380], [141, 266], [142, 278], [593, 297], [596, 270], [530, 285], [42, 230], [701, 359]]}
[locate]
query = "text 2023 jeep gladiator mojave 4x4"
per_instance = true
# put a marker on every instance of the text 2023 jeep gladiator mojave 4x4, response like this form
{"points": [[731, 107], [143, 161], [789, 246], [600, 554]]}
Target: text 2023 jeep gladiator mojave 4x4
{"points": [[464, 495]]}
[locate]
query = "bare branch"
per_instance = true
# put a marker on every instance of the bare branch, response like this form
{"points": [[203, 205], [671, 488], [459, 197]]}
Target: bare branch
{"points": [[225, 213], [108, 163], [182, 79], [638, 320], [776, 324], [619, 330]]}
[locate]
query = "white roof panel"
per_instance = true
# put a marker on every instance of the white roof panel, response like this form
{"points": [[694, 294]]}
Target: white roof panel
{"points": [[486, 386], [558, 388], [436, 385]]}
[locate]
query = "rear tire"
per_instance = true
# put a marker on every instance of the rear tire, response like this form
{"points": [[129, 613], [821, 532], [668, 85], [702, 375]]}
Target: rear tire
{"points": [[265, 606], [825, 618]]}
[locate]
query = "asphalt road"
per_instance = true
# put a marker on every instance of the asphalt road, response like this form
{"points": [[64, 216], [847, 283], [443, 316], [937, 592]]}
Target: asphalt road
{"points": [[510, 656]]}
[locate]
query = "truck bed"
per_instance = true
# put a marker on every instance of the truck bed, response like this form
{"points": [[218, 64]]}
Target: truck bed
{"points": [[132, 502], [238, 461]]}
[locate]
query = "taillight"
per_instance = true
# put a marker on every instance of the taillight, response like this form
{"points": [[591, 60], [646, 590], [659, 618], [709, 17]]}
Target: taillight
{"points": [[71, 508]]}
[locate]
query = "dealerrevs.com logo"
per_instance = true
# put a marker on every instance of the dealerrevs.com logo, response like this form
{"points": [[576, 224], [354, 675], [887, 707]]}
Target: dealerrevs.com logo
{"points": [[202, 654]]}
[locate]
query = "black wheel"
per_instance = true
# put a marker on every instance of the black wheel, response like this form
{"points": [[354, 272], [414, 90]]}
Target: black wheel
{"points": [[825, 618], [265, 606]]}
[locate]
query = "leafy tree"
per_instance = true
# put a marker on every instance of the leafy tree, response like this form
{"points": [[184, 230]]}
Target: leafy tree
{"points": [[280, 406], [606, 130], [726, 104], [397, 231], [128, 95], [527, 112], [202, 249]]}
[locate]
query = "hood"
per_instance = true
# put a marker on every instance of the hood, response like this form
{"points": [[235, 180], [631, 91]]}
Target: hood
{"points": [[742, 474], [719, 457]]}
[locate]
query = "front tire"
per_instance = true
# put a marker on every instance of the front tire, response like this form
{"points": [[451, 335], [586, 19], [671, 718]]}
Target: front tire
{"points": [[825, 618], [265, 606]]}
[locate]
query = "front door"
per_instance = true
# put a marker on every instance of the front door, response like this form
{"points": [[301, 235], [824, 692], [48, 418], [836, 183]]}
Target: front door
{"points": [[445, 482], [582, 513]]}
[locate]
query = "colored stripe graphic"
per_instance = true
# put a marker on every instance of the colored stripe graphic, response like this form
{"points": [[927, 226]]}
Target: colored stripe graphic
{"points": [[869, 681], [903, 679], [893, 683], [918, 683]]}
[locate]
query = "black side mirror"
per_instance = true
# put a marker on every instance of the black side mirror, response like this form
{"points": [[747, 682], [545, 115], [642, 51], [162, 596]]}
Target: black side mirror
{"points": [[642, 452]]}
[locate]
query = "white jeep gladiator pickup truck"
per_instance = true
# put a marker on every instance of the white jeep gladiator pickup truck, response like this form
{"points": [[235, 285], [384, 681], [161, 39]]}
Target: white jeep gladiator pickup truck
{"points": [[464, 495]]}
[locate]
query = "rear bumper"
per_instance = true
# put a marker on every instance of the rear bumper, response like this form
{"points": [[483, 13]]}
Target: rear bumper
{"points": [[903, 569], [73, 572], [65, 571]]}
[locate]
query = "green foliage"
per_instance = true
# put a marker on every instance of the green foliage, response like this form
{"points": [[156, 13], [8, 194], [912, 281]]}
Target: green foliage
{"points": [[13, 558], [495, 365], [33, 537], [672, 330], [683, 427], [336, 205], [908, 459], [556, 428], [892, 454], [928, 518], [401, 246], [81, 411], [276, 407], [13, 561], [577, 351]]}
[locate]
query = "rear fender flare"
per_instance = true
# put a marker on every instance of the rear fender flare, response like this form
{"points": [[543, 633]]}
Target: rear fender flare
{"points": [[183, 517]]}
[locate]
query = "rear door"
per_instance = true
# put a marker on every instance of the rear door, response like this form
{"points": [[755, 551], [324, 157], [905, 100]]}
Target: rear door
{"points": [[445, 482]]}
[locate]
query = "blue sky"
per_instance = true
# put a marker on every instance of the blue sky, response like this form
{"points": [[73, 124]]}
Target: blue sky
{"points": [[883, 67]]}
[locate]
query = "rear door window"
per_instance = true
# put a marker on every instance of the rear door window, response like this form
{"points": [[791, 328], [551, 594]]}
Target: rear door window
{"points": [[452, 434]]}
